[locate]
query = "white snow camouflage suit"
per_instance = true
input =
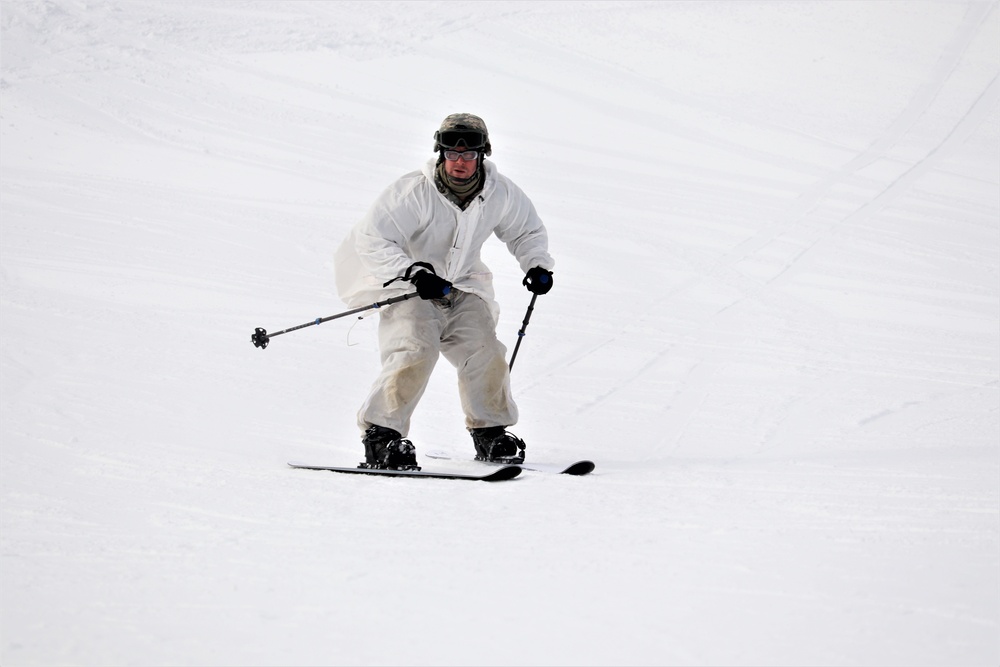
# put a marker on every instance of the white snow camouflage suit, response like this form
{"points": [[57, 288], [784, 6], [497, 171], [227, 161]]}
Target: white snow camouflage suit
{"points": [[412, 221]]}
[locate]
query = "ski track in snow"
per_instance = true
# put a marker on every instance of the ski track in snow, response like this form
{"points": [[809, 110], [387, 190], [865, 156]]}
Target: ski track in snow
{"points": [[775, 328]]}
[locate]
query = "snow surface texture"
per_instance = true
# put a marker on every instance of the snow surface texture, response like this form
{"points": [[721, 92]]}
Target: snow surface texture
{"points": [[775, 326]]}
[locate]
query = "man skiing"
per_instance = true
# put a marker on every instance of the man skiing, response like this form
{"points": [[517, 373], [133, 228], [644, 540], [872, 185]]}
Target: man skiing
{"points": [[428, 228]]}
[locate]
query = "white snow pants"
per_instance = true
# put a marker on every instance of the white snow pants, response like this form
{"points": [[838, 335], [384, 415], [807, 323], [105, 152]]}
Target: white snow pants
{"points": [[412, 335]]}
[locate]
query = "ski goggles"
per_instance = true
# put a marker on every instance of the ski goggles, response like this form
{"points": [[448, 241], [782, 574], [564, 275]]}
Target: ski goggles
{"points": [[453, 138], [468, 156]]}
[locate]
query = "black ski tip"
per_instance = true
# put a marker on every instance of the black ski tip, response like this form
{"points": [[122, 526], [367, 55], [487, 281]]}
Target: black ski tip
{"points": [[502, 474], [580, 468]]}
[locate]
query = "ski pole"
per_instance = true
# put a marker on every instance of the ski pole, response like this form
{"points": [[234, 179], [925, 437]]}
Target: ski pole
{"points": [[520, 333], [261, 338]]}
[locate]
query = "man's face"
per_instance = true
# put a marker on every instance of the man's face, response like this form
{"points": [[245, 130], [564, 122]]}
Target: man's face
{"points": [[463, 166]]}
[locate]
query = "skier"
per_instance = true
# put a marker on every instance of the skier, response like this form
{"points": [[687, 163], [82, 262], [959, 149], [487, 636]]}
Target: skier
{"points": [[427, 228]]}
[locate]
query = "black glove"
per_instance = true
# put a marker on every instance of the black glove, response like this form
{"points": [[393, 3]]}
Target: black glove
{"points": [[538, 280], [430, 286]]}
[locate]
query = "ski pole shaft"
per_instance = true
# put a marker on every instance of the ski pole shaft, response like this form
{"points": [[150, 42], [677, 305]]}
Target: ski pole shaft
{"points": [[520, 333], [260, 338]]}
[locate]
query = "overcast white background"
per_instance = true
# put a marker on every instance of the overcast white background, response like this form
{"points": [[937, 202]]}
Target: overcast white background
{"points": [[775, 327]]}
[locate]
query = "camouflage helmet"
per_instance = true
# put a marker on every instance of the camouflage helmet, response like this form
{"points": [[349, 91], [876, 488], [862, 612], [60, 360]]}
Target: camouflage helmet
{"points": [[460, 129]]}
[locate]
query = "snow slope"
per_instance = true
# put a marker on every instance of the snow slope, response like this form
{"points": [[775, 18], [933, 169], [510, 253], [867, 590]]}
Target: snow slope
{"points": [[775, 326]]}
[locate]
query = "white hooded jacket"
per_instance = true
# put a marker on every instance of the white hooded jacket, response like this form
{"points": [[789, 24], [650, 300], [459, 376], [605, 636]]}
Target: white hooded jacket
{"points": [[412, 222]]}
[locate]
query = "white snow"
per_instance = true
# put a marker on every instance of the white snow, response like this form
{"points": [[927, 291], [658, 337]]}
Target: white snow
{"points": [[775, 327]]}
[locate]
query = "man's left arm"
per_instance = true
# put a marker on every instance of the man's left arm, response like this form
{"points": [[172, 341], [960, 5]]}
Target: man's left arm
{"points": [[523, 232]]}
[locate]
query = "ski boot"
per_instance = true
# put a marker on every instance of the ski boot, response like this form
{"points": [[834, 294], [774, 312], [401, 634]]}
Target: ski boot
{"points": [[496, 445], [385, 448]]}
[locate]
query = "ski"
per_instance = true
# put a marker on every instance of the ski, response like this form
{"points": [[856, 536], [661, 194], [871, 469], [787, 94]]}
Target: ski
{"points": [[583, 467], [498, 475]]}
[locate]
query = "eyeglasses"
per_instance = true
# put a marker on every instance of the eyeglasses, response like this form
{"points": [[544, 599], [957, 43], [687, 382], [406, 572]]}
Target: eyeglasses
{"points": [[453, 138], [468, 156]]}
